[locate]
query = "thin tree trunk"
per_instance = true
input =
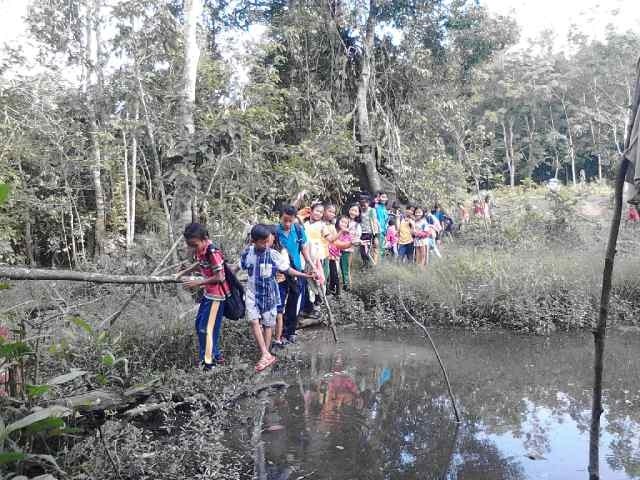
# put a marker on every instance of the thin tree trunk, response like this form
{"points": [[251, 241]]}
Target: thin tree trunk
{"points": [[183, 200], [508, 151], [125, 168], [367, 158], [28, 240], [156, 158], [134, 175], [92, 62], [74, 248], [601, 328], [572, 152]]}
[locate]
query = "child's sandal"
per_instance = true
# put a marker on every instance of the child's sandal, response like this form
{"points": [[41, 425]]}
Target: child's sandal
{"points": [[263, 364]]}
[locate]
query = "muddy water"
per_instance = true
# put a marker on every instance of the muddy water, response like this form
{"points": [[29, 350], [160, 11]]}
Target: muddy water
{"points": [[375, 406]]}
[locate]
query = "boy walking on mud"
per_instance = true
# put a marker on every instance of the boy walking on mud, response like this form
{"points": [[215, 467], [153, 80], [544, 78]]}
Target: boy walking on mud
{"points": [[262, 295], [210, 263]]}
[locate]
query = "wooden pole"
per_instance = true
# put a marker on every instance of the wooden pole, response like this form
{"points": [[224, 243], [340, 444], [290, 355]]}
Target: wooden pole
{"points": [[600, 331]]}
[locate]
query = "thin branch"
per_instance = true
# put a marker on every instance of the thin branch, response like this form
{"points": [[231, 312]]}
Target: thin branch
{"points": [[433, 345]]}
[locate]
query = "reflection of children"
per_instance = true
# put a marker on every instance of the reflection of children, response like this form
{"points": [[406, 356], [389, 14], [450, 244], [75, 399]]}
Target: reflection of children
{"points": [[262, 295]]}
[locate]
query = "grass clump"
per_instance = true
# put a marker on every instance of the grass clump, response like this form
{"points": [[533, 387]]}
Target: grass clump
{"points": [[530, 291]]}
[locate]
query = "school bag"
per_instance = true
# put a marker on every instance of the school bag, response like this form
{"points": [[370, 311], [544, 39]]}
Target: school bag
{"points": [[234, 307]]}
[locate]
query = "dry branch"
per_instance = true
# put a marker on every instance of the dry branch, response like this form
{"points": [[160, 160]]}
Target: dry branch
{"points": [[435, 350]]}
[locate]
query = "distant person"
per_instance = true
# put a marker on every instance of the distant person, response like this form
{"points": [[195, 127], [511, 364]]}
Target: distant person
{"points": [[391, 239], [486, 209], [210, 263], [405, 236], [382, 217], [478, 209], [336, 248], [421, 233], [463, 213], [262, 295], [632, 214], [370, 230], [395, 213], [355, 232]]}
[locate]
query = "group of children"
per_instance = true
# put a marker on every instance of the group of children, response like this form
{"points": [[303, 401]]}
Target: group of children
{"points": [[291, 266]]}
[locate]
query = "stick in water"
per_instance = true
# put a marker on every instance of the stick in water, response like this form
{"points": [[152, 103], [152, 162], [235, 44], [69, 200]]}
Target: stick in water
{"points": [[428, 336]]}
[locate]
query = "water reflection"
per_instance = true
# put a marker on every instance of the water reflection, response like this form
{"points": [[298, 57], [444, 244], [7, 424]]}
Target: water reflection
{"points": [[377, 408]]}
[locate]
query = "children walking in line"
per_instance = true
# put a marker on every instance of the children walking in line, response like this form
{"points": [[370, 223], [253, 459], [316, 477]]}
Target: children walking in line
{"points": [[262, 295], [210, 263]]}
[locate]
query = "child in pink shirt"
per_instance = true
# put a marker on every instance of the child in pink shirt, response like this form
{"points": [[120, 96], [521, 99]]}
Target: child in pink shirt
{"points": [[391, 239], [342, 242]]}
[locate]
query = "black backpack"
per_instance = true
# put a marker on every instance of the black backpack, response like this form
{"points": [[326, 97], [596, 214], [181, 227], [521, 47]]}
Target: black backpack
{"points": [[234, 308]]}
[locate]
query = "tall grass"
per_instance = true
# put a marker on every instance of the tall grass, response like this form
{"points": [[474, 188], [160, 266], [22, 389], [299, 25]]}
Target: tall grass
{"points": [[533, 290]]}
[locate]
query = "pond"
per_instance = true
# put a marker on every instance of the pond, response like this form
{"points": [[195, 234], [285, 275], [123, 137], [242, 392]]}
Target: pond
{"points": [[375, 406]]}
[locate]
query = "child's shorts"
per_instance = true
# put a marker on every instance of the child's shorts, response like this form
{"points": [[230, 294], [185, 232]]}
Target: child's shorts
{"points": [[267, 319]]}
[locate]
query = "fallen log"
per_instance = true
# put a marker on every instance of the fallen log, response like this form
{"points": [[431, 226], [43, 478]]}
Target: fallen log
{"points": [[17, 273]]}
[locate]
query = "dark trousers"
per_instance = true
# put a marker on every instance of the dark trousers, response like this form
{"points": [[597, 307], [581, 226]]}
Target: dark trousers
{"points": [[365, 248], [208, 328], [334, 278], [405, 252], [292, 301]]}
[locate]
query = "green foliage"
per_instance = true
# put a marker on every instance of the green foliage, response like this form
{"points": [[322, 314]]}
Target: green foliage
{"points": [[10, 351], [10, 457], [35, 391], [5, 189]]}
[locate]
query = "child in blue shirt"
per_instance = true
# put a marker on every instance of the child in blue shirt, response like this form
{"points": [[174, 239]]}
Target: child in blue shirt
{"points": [[262, 295]]}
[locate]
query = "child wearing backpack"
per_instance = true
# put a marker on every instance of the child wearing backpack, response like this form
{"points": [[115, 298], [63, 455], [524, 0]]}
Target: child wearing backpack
{"points": [[262, 296], [210, 263]]}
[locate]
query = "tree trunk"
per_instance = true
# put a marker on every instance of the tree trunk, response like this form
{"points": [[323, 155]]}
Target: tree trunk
{"points": [[134, 175], [184, 193], [369, 172], [125, 168], [572, 152], [601, 328], [16, 273], [154, 150], [507, 134], [93, 66]]}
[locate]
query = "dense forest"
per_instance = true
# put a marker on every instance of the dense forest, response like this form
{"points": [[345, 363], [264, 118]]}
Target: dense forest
{"points": [[476, 171], [133, 117]]}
